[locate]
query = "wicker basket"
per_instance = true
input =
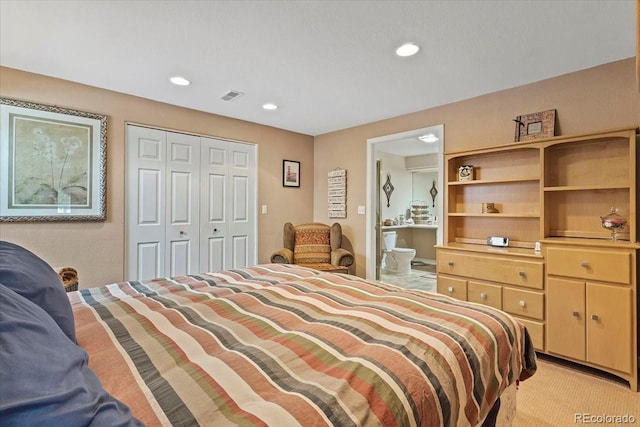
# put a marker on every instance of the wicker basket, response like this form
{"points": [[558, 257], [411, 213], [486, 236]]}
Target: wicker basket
{"points": [[69, 278]]}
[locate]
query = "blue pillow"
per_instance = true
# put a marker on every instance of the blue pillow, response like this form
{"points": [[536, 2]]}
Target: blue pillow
{"points": [[30, 276], [44, 377]]}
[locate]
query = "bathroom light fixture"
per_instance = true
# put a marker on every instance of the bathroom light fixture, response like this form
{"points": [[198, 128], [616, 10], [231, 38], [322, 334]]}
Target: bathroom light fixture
{"points": [[269, 106], [430, 137], [179, 81], [407, 49]]}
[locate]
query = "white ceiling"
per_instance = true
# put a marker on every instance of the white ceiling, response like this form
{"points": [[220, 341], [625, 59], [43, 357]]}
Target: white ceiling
{"points": [[330, 65]]}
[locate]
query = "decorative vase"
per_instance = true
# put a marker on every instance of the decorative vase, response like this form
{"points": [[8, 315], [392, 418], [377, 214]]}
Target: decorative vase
{"points": [[613, 222]]}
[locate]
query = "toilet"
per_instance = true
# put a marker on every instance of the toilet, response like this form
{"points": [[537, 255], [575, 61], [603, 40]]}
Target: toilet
{"points": [[395, 260]]}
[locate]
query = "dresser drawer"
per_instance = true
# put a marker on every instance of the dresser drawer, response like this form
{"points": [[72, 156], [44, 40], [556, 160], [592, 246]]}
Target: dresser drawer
{"points": [[536, 332], [484, 293], [590, 264], [496, 269], [523, 303], [453, 287]]}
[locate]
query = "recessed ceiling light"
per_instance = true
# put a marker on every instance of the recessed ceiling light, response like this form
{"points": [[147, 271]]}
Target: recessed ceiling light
{"points": [[430, 137], [269, 106], [407, 49], [179, 81]]}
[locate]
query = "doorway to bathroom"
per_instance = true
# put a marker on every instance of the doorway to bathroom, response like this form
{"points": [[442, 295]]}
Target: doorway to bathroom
{"points": [[396, 164]]}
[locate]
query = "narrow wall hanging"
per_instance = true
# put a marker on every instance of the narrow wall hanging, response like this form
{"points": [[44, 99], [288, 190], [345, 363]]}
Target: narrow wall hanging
{"points": [[337, 199], [388, 189]]}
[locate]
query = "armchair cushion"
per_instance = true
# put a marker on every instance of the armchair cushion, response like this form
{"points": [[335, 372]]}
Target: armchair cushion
{"points": [[311, 244]]}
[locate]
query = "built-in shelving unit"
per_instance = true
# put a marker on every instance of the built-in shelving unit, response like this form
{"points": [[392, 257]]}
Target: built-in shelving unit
{"points": [[577, 294]]}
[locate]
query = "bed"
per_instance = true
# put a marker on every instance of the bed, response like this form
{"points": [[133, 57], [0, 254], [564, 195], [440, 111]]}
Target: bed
{"points": [[282, 345]]}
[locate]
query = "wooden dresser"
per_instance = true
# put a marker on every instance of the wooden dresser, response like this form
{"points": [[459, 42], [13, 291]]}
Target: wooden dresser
{"points": [[577, 295]]}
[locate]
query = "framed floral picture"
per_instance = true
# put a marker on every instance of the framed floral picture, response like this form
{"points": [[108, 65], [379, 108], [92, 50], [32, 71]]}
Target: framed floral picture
{"points": [[52, 163], [290, 173]]}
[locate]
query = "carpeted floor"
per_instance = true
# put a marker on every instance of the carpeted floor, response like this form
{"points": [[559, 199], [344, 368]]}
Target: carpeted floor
{"points": [[565, 394]]}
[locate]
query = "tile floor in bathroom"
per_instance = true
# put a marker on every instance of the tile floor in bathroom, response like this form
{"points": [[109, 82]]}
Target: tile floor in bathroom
{"points": [[421, 276]]}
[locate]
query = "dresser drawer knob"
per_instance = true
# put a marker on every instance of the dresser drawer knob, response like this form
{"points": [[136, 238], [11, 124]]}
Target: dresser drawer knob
{"points": [[584, 264], [522, 274], [450, 263], [483, 295], [450, 289], [523, 303], [594, 317], [575, 314]]}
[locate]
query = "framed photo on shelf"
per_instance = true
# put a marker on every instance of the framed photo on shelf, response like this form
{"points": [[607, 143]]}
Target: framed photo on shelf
{"points": [[534, 126], [52, 163], [290, 173]]}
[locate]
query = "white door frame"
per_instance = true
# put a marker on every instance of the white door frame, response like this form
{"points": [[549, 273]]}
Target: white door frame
{"points": [[370, 218]]}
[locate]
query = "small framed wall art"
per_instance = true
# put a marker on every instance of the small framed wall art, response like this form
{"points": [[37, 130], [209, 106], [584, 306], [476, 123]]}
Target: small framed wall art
{"points": [[290, 173]]}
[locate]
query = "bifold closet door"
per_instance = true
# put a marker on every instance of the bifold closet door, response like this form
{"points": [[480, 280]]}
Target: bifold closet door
{"points": [[162, 203], [183, 204], [228, 204]]}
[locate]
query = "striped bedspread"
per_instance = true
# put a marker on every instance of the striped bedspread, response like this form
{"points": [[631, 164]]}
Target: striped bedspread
{"points": [[283, 346]]}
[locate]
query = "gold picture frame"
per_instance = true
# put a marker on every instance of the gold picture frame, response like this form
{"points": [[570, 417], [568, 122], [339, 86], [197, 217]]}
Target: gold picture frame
{"points": [[52, 163]]}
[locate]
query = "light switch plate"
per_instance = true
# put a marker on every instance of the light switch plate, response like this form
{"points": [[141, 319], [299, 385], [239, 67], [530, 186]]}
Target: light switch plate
{"points": [[361, 210]]}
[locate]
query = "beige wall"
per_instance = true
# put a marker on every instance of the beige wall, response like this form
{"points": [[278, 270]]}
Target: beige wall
{"points": [[591, 100], [96, 249], [596, 99]]}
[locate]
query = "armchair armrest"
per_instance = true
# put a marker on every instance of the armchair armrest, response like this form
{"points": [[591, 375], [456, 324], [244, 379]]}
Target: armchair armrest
{"points": [[282, 256], [341, 257]]}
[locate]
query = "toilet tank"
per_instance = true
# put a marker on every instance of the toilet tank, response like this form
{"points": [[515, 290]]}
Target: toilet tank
{"points": [[389, 240]]}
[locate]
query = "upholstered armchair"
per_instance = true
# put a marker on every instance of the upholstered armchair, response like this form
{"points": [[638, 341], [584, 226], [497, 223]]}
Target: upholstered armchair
{"points": [[314, 245]]}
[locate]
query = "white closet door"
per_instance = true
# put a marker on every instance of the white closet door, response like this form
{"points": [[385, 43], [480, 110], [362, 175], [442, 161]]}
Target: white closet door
{"points": [[145, 198], [243, 204], [228, 211], [213, 211], [183, 204]]}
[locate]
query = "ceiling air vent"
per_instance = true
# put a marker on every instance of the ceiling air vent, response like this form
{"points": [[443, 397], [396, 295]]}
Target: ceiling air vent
{"points": [[231, 95]]}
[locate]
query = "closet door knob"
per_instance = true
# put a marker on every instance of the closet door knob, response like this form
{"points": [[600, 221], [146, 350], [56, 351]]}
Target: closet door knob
{"points": [[215, 230], [182, 233]]}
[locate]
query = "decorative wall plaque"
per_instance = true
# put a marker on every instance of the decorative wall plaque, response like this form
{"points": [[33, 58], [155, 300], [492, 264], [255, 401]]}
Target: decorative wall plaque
{"points": [[337, 199], [535, 126]]}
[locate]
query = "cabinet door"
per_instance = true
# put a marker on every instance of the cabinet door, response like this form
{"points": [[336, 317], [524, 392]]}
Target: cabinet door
{"points": [[566, 317], [609, 326]]}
